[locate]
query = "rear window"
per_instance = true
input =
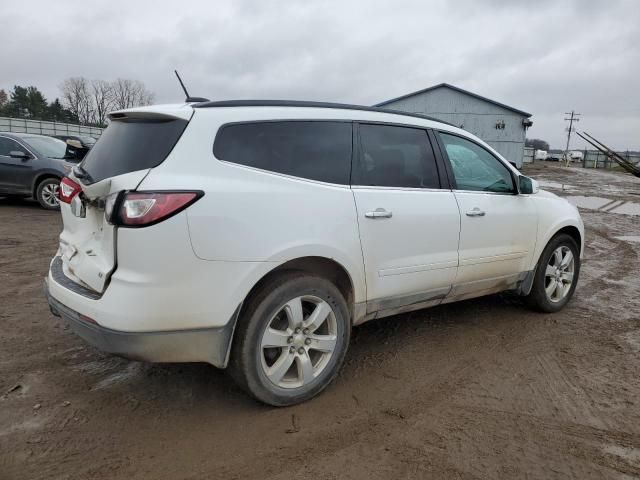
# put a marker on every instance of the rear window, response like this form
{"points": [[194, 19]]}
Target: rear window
{"points": [[316, 150], [132, 144]]}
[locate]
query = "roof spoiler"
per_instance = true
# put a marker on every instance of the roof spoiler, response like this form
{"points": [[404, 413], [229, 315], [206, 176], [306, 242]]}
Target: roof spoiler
{"points": [[150, 115]]}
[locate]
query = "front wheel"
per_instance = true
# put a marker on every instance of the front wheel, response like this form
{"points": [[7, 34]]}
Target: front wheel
{"points": [[556, 275], [47, 193], [291, 339]]}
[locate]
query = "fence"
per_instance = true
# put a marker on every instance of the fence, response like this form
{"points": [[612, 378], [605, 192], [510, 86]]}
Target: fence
{"points": [[21, 125], [597, 159], [591, 158]]}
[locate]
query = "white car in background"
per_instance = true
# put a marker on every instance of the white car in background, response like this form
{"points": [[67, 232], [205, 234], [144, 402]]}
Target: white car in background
{"points": [[540, 155], [576, 156], [572, 156], [255, 235]]}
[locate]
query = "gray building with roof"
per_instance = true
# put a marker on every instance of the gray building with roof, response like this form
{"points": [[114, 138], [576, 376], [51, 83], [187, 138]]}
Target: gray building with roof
{"points": [[501, 126]]}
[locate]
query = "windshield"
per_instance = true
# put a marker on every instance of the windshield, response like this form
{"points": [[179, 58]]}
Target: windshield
{"points": [[88, 140], [47, 146]]}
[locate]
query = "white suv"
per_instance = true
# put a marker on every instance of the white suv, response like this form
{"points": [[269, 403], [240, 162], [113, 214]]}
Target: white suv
{"points": [[254, 235]]}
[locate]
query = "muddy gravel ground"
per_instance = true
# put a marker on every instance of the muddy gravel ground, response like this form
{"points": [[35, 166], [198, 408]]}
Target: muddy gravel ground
{"points": [[479, 389]]}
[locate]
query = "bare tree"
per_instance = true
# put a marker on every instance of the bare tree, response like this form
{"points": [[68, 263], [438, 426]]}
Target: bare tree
{"points": [[130, 93], [101, 100], [91, 101], [76, 97]]}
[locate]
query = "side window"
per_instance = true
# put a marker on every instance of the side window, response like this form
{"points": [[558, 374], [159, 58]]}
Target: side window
{"points": [[474, 168], [316, 150], [7, 145], [395, 157]]}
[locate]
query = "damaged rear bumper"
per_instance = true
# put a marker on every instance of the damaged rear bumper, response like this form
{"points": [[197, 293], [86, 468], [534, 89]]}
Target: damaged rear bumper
{"points": [[210, 345]]}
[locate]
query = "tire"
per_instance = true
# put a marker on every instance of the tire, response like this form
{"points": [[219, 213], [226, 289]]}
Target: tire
{"points": [[547, 275], [46, 193], [293, 371]]}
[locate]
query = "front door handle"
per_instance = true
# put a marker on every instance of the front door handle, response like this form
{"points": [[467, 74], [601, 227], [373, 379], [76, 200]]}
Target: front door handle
{"points": [[378, 213], [476, 212]]}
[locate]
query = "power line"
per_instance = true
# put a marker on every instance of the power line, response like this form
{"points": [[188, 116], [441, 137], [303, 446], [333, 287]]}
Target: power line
{"points": [[571, 119]]}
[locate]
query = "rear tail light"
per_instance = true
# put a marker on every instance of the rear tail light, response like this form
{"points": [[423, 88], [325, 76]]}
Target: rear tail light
{"points": [[141, 209], [68, 190]]}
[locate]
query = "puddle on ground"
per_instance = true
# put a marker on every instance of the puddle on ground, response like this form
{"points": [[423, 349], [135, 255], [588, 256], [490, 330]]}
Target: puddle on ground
{"points": [[605, 204], [629, 238], [627, 208], [555, 185]]}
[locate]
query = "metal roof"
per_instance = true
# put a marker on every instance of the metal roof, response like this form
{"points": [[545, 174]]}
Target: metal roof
{"points": [[301, 103], [457, 89]]}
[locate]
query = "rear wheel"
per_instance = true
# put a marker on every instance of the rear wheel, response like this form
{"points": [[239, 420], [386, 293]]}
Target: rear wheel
{"points": [[47, 193], [556, 275], [291, 339]]}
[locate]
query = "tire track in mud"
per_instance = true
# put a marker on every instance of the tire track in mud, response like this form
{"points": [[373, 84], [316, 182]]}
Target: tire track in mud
{"points": [[407, 408]]}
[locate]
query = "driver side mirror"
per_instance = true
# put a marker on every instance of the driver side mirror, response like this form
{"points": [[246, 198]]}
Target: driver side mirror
{"points": [[19, 154], [527, 186]]}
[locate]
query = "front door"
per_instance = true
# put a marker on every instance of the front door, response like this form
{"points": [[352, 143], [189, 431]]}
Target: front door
{"points": [[409, 226], [15, 173], [498, 226]]}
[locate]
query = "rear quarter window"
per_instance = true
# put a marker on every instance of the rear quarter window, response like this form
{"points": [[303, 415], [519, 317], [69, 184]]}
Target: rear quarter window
{"points": [[132, 144], [315, 150]]}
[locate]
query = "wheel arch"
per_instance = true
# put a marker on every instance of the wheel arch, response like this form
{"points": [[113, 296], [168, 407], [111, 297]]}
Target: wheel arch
{"points": [[322, 266], [326, 267], [568, 222], [570, 229], [573, 228], [43, 176], [574, 233]]}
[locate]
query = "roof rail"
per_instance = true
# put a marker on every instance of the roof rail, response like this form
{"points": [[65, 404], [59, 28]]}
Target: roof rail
{"points": [[301, 103]]}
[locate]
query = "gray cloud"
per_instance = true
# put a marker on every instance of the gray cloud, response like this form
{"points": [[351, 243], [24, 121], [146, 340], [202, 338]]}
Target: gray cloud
{"points": [[546, 57]]}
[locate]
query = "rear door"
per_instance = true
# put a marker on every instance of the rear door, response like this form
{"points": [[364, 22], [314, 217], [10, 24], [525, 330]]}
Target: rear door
{"points": [[128, 149], [498, 226], [409, 225]]}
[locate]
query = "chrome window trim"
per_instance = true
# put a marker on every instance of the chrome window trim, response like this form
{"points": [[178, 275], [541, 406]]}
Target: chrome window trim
{"points": [[482, 192], [408, 189]]}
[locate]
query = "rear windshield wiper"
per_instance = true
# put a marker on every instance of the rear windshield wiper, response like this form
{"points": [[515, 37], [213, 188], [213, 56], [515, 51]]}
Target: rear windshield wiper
{"points": [[82, 174]]}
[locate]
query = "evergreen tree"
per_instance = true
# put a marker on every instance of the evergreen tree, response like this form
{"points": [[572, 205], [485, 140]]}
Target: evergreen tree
{"points": [[57, 113], [4, 98], [27, 102]]}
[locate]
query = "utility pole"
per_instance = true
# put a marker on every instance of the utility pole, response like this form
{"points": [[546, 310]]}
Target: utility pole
{"points": [[571, 119]]}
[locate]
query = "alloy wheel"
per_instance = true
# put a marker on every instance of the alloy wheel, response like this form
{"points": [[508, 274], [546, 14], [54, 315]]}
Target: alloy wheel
{"points": [[298, 342], [559, 274], [49, 194]]}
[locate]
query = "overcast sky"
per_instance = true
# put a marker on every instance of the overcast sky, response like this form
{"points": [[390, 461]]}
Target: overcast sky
{"points": [[544, 57]]}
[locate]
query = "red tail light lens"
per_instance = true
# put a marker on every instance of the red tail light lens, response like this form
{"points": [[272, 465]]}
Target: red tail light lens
{"points": [[68, 190], [141, 209]]}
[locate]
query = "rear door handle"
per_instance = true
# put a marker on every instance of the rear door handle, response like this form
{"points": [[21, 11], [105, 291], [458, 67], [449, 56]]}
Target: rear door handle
{"points": [[378, 213], [476, 212]]}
